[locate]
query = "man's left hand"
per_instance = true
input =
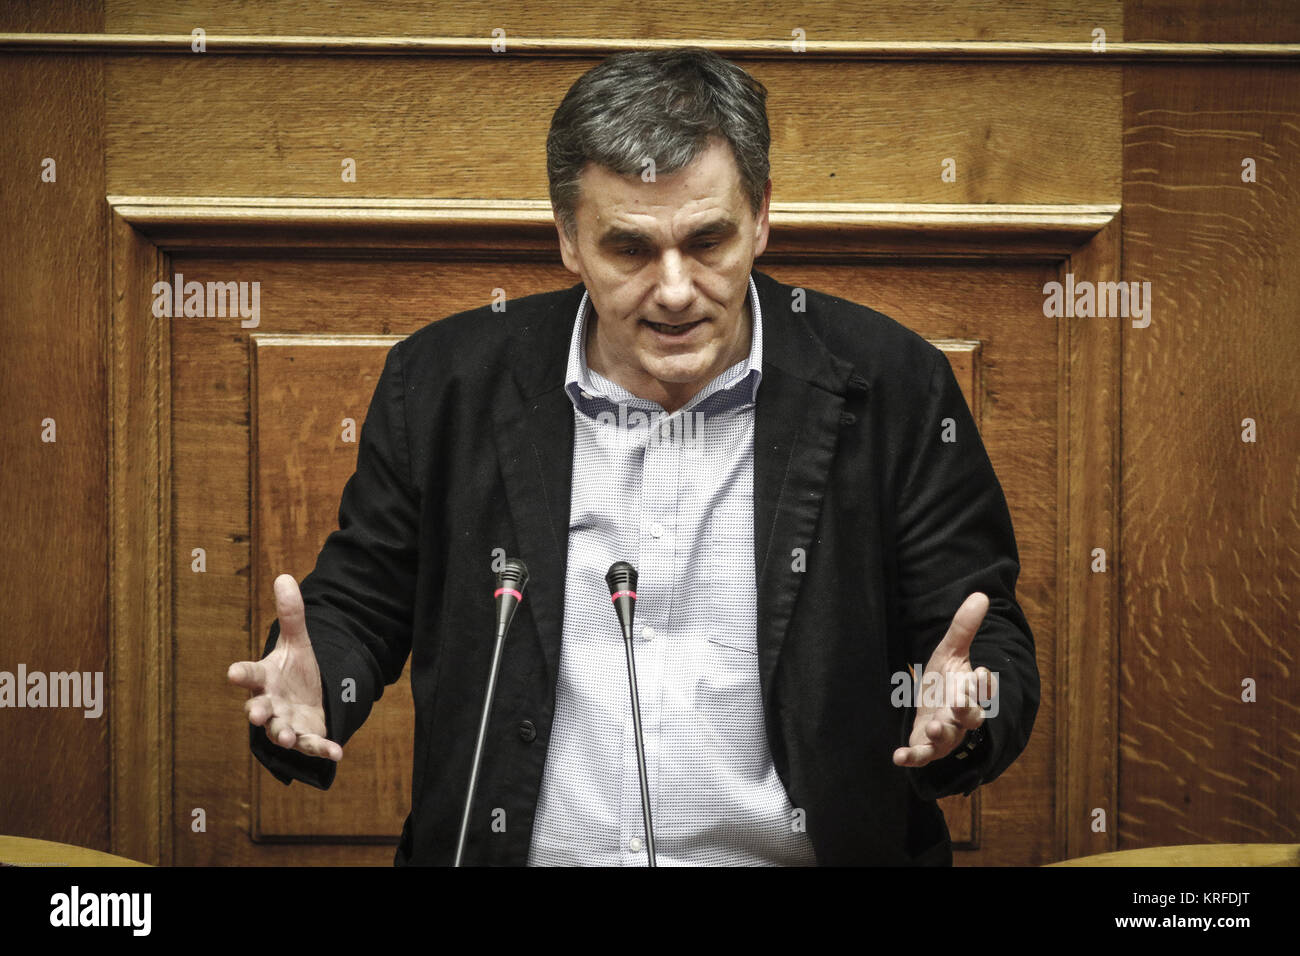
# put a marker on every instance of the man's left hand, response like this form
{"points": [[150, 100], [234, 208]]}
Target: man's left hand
{"points": [[937, 731]]}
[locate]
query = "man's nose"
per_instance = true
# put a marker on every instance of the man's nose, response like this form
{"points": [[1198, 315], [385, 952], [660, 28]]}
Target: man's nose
{"points": [[673, 291]]}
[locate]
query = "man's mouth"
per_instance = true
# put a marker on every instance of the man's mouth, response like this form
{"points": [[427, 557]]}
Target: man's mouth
{"points": [[681, 329]]}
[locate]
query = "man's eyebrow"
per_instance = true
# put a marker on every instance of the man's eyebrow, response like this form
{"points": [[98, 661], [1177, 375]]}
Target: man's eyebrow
{"points": [[718, 227], [618, 236]]}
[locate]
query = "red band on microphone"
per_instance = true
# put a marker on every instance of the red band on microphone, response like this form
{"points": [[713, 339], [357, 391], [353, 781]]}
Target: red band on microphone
{"points": [[618, 594], [500, 591]]}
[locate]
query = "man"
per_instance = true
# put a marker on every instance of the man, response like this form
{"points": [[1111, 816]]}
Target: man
{"points": [[797, 478]]}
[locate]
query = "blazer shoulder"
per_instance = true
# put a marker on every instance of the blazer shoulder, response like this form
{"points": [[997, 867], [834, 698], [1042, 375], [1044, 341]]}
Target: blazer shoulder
{"points": [[871, 339], [483, 336], [879, 347]]}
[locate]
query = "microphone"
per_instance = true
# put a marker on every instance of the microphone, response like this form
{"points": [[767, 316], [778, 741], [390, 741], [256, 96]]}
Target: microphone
{"points": [[510, 591], [622, 591]]}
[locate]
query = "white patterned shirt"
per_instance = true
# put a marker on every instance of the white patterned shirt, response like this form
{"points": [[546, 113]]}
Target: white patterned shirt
{"points": [[672, 495]]}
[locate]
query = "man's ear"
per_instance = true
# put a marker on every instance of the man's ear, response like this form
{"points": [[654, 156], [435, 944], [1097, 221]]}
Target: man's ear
{"points": [[761, 225], [568, 249]]}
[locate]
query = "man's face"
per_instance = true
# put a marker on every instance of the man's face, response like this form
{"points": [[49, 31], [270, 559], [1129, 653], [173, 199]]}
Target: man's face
{"points": [[667, 265]]}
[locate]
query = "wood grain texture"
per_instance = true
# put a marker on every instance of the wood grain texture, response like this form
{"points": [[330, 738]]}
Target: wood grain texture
{"points": [[53, 298], [1212, 855], [52, 16], [1222, 21], [667, 19], [303, 387], [525, 228], [21, 851], [1211, 570], [1089, 599], [838, 51], [138, 576], [446, 128]]}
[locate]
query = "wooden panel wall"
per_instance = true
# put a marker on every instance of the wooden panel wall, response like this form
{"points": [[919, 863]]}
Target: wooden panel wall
{"points": [[54, 764], [1207, 561], [282, 127], [1211, 565], [629, 19]]}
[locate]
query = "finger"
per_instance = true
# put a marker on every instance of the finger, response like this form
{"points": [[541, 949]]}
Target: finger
{"points": [[248, 674], [280, 733], [969, 718], [956, 642], [917, 756], [966, 709], [979, 689], [943, 737], [258, 709], [289, 609], [318, 746]]}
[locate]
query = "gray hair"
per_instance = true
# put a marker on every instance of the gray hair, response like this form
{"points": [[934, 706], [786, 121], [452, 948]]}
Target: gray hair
{"points": [[658, 104]]}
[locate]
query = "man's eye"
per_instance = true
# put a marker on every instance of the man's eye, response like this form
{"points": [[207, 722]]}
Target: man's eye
{"points": [[630, 251], [708, 244]]}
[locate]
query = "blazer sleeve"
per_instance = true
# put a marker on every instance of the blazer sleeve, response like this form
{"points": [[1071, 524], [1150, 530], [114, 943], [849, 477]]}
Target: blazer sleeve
{"points": [[359, 598], [954, 537]]}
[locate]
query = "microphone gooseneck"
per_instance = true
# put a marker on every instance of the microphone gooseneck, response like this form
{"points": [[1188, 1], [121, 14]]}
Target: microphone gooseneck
{"points": [[622, 579], [509, 592]]}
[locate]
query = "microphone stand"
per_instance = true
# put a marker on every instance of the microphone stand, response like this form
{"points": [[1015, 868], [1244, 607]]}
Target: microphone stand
{"points": [[510, 591], [622, 578]]}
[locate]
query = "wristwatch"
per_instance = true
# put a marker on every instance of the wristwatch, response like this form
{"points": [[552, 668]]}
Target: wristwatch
{"points": [[971, 743]]}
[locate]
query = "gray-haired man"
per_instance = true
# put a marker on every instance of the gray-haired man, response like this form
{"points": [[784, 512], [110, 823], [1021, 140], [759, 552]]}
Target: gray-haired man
{"points": [[812, 539]]}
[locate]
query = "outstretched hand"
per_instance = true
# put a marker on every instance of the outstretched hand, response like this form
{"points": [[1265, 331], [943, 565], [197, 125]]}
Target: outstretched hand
{"points": [[937, 730], [286, 683]]}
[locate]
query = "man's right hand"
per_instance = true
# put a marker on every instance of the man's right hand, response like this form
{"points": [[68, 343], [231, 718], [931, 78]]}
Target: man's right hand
{"points": [[286, 683]]}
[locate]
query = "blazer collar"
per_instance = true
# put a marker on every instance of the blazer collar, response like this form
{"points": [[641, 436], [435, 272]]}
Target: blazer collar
{"points": [[539, 352], [792, 346]]}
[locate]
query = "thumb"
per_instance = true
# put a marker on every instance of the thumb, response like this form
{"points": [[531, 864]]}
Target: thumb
{"points": [[961, 632], [289, 609]]}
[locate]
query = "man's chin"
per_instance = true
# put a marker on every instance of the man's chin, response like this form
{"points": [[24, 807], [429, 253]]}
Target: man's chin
{"points": [[677, 373]]}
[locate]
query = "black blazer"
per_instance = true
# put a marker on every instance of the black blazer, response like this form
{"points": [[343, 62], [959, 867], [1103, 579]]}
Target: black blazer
{"points": [[468, 448]]}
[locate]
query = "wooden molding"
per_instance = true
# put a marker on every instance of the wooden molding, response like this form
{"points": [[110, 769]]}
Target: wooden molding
{"points": [[1088, 651], [1082, 239], [140, 558], [526, 227], [1047, 52]]}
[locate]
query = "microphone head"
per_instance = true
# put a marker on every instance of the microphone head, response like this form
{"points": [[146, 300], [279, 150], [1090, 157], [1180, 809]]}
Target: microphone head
{"points": [[514, 575], [622, 591], [621, 577], [510, 591]]}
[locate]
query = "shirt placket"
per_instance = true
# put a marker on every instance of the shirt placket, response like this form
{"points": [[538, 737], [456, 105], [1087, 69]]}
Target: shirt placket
{"points": [[656, 533]]}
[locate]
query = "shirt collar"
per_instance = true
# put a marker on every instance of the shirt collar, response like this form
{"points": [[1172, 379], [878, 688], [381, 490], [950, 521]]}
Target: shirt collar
{"points": [[585, 387]]}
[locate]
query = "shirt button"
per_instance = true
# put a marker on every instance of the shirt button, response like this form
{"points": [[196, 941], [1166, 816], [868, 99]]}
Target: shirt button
{"points": [[527, 732], [657, 530], [585, 394], [634, 844], [648, 633]]}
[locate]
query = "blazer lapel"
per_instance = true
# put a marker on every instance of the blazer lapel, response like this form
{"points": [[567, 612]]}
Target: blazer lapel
{"points": [[798, 416], [534, 434]]}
